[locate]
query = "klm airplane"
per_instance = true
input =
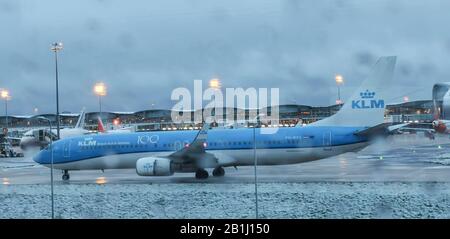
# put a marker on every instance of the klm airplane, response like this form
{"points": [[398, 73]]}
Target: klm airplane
{"points": [[164, 153]]}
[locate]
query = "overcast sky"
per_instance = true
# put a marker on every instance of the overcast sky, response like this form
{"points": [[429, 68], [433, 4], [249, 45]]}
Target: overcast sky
{"points": [[144, 49]]}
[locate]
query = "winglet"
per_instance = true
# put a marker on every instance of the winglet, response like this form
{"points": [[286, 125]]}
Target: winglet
{"points": [[81, 119], [197, 146]]}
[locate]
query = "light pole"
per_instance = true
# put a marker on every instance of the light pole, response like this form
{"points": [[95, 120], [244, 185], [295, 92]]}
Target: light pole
{"points": [[5, 95], [339, 81], [255, 158], [51, 163], [57, 46], [100, 90]]}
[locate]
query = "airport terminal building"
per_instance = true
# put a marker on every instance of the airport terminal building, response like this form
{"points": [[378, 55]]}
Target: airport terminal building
{"points": [[420, 111], [160, 119]]}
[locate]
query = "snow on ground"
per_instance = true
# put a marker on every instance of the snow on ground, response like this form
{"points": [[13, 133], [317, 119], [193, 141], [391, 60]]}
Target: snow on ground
{"points": [[276, 200]]}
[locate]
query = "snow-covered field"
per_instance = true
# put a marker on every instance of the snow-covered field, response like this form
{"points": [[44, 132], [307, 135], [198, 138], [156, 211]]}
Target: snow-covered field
{"points": [[276, 200]]}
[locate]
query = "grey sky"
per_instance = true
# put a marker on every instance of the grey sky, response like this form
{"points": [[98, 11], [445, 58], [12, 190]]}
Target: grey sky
{"points": [[144, 49]]}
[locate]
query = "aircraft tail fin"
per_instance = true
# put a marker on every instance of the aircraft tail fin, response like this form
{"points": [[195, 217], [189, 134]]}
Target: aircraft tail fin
{"points": [[101, 128], [366, 107]]}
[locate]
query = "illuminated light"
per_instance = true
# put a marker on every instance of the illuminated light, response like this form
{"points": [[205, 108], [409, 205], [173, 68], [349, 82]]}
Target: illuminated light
{"points": [[5, 181], [405, 98], [116, 122], [214, 83], [381, 157], [439, 147], [339, 79], [4, 94], [101, 180], [100, 89], [339, 102], [205, 144], [186, 145]]}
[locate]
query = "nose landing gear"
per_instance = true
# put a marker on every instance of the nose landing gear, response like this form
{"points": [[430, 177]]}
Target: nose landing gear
{"points": [[65, 176]]}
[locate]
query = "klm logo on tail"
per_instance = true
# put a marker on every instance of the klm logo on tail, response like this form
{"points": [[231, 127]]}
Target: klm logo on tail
{"points": [[367, 101]]}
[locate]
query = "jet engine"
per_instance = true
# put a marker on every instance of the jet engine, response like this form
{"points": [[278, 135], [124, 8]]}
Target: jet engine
{"points": [[150, 166]]}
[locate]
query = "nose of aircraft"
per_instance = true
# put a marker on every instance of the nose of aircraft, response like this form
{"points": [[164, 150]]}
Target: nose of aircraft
{"points": [[38, 157], [43, 156]]}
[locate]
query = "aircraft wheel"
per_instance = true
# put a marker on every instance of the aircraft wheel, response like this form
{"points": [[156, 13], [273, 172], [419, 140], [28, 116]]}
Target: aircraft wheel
{"points": [[66, 175], [218, 172], [201, 174]]}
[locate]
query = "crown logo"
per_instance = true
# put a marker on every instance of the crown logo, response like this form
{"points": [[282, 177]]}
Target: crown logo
{"points": [[367, 94]]}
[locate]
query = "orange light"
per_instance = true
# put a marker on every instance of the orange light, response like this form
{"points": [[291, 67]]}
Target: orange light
{"points": [[101, 180], [100, 89], [339, 79], [4, 94], [116, 122], [5, 181], [214, 83]]}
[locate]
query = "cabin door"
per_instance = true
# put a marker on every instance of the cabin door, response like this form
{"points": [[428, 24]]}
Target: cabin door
{"points": [[67, 149], [326, 140]]}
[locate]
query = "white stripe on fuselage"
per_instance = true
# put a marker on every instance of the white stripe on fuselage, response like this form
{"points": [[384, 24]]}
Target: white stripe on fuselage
{"points": [[240, 157]]}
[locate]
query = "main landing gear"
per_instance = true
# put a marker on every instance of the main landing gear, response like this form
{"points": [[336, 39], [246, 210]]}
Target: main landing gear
{"points": [[65, 176], [218, 172], [201, 174]]}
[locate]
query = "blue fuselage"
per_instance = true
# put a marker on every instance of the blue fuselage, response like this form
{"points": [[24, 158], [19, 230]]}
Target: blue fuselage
{"points": [[77, 149]]}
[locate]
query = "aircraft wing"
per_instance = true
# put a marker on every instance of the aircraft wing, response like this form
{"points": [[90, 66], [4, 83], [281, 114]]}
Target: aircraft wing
{"points": [[194, 150], [377, 129], [419, 129], [13, 138], [397, 127], [381, 129]]}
